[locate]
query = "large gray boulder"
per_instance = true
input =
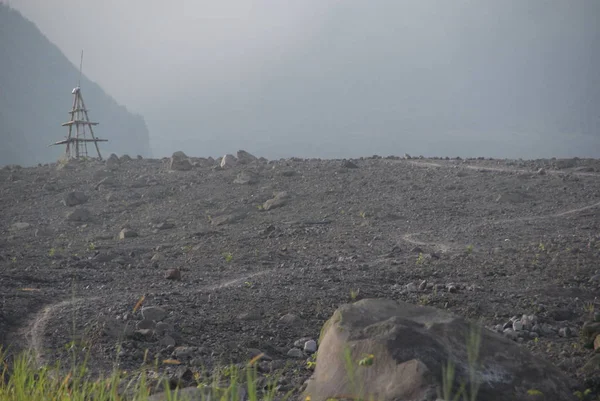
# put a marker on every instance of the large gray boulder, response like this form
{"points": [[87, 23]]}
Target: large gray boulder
{"points": [[399, 350], [180, 162]]}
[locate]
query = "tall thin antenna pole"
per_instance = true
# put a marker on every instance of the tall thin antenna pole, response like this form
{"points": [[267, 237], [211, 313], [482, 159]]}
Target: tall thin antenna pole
{"points": [[80, 67]]}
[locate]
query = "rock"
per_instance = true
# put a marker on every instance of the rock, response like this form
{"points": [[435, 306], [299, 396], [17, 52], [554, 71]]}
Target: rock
{"points": [[163, 328], [173, 274], [541, 171], [290, 320], [411, 287], [410, 345], [180, 162], [182, 377], [244, 157], [517, 325], [595, 278], [167, 341], [349, 164], [19, 226], [125, 158], [295, 353], [423, 285], [564, 332], [597, 343], [127, 233], [111, 163], [228, 161], [184, 353], [164, 226], [154, 313], [107, 182], [513, 197], [280, 199], [145, 324], [80, 215], [75, 198], [245, 178], [310, 346]]}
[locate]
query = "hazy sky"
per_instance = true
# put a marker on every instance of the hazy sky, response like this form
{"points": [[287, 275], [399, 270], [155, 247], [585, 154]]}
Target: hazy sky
{"points": [[359, 76]]}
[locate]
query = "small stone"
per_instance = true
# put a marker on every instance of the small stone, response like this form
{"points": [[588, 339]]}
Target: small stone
{"points": [[423, 285], [310, 346], [20, 226], [452, 288], [167, 341], [163, 328], [295, 353], [564, 332], [183, 353], [536, 328], [145, 324], [81, 215], [154, 313], [595, 278], [145, 332], [499, 328], [164, 226], [547, 329], [510, 333], [541, 171], [127, 233], [228, 161], [597, 343], [290, 320], [411, 287], [75, 198], [173, 274], [517, 325]]}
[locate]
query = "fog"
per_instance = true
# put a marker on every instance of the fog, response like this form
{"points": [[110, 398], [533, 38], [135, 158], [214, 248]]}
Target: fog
{"points": [[344, 78]]}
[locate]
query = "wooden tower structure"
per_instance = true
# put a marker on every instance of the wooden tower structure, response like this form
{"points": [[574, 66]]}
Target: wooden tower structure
{"points": [[79, 126]]}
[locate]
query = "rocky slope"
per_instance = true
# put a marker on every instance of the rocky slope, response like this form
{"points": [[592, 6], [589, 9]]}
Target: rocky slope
{"points": [[35, 98], [227, 262]]}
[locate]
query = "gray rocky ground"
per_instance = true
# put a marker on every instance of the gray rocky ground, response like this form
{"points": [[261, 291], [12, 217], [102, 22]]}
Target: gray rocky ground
{"points": [[225, 263]]}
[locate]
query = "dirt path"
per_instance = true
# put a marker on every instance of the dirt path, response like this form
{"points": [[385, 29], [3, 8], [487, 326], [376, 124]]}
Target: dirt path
{"points": [[445, 247], [495, 169]]}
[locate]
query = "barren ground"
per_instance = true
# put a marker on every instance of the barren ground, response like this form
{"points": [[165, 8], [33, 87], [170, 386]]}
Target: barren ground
{"points": [[511, 241]]}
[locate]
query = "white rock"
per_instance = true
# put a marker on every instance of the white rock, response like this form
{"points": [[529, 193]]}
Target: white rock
{"points": [[310, 346]]}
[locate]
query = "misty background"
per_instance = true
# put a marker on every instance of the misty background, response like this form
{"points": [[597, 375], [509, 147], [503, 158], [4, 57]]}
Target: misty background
{"points": [[343, 78]]}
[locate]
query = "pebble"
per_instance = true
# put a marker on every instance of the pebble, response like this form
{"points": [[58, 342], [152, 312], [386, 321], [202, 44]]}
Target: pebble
{"points": [[517, 325], [295, 353], [184, 352], [564, 332], [173, 274], [167, 341], [423, 285], [310, 346], [411, 287], [154, 313], [510, 333], [127, 233], [290, 319], [145, 324]]}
